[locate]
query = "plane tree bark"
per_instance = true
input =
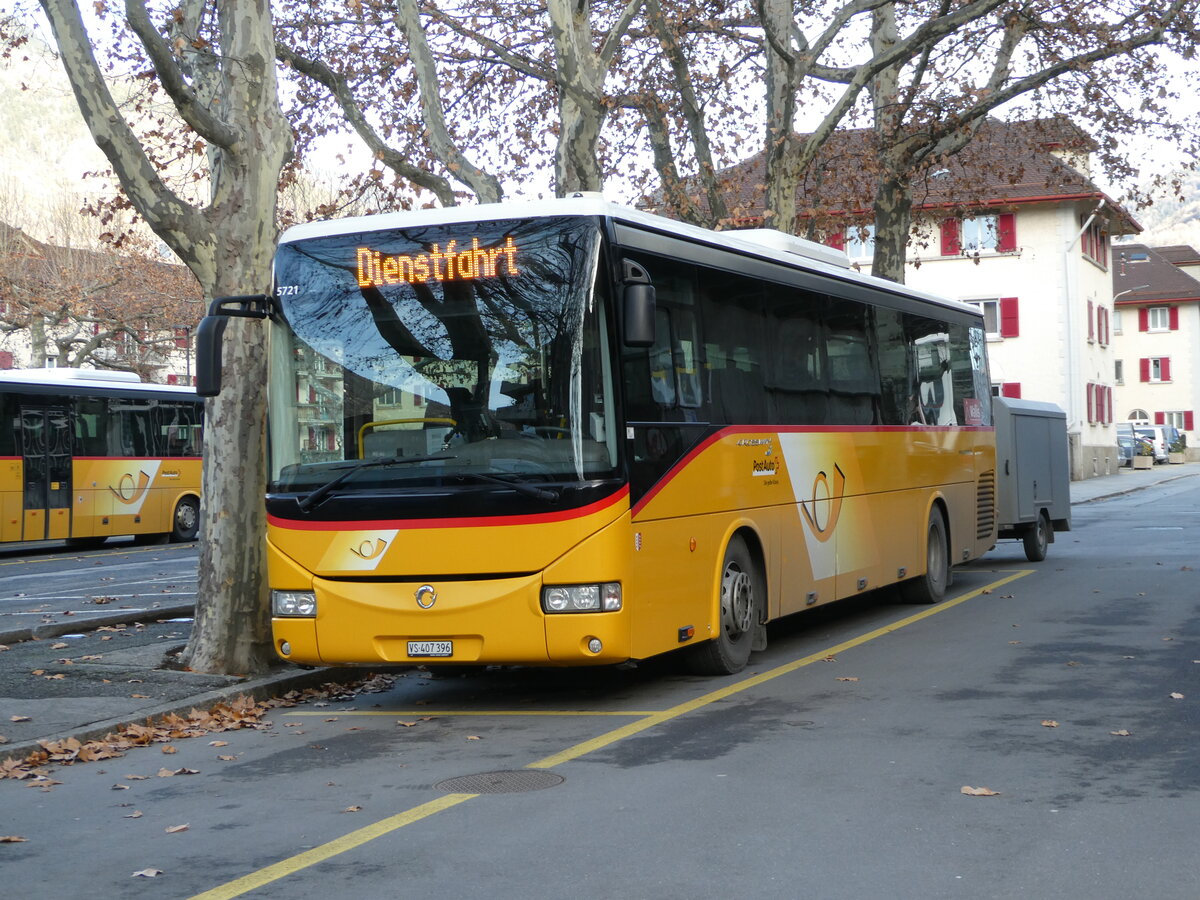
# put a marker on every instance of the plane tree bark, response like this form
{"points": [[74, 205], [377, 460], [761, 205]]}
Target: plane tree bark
{"points": [[216, 67]]}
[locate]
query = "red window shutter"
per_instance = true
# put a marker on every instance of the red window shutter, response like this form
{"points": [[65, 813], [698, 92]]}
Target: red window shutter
{"points": [[1010, 325], [172, 379], [1107, 327], [1174, 318], [1144, 369], [1165, 363], [837, 241], [951, 245], [1108, 405], [1091, 403], [1006, 224], [6, 359], [1144, 319], [1189, 423], [1011, 389], [1160, 418], [1091, 321]]}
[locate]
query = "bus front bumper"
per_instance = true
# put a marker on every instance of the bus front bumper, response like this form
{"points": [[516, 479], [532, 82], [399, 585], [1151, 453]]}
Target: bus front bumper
{"points": [[478, 622]]}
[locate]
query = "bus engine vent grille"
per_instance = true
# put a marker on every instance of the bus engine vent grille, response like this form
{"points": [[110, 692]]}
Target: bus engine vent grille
{"points": [[985, 505]]}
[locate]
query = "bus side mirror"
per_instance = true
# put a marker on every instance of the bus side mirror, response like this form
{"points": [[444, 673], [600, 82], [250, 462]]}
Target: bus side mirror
{"points": [[638, 306], [208, 355], [212, 329]]}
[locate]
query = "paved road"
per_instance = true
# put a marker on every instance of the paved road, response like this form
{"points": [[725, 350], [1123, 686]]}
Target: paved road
{"points": [[50, 591], [834, 767]]}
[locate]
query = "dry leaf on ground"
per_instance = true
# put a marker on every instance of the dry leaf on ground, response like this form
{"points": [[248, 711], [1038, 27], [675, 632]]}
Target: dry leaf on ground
{"points": [[978, 791]]}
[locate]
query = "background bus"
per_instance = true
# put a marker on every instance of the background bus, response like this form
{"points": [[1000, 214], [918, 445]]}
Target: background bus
{"points": [[572, 433], [86, 455]]}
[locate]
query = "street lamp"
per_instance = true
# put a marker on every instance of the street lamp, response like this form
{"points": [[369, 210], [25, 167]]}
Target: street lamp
{"points": [[1140, 287]]}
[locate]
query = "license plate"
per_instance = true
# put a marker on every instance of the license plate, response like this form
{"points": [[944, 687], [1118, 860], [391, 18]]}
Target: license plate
{"points": [[431, 648]]}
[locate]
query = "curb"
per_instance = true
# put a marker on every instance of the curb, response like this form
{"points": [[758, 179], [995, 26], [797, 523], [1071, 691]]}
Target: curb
{"points": [[1133, 489], [263, 688], [44, 630]]}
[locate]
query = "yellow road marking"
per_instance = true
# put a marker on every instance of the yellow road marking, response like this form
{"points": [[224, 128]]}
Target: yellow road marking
{"points": [[439, 713], [361, 836]]}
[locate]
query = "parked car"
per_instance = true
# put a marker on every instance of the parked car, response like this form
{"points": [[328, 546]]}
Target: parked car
{"points": [[1160, 436], [1127, 448]]}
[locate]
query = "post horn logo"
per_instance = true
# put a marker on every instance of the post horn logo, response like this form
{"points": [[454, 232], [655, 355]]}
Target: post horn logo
{"points": [[823, 493], [370, 549], [426, 596], [129, 491]]}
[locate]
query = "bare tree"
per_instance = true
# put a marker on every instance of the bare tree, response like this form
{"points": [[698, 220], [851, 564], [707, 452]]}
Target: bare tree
{"points": [[215, 65]]}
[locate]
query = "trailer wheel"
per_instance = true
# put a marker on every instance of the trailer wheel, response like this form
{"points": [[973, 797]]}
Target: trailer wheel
{"points": [[1037, 538]]}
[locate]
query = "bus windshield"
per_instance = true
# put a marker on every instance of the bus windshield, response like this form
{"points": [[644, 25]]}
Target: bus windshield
{"points": [[473, 353]]}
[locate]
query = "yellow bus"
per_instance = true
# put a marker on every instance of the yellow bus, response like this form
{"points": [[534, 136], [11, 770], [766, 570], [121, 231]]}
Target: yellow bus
{"points": [[86, 455], [572, 433]]}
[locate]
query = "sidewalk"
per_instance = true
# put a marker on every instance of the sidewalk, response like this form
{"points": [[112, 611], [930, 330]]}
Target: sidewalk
{"points": [[60, 681]]}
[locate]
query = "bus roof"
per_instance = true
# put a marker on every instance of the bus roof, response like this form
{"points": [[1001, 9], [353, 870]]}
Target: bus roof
{"points": [[68, 379], [765, 243]]}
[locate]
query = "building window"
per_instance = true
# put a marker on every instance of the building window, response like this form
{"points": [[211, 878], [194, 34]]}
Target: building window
{"points": [[1094, 242], [977, 235], [1184, 420], [1158, 318], [1156, 369], [1119, 371], [1116, 321], [1138, 415], [1001, 318], [860, 242]]}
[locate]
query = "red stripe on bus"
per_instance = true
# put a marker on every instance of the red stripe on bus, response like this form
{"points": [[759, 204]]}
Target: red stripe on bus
{"points": [[480, 522], [787, 429]]}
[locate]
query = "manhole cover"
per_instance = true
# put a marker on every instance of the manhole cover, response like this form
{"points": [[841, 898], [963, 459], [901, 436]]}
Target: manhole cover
{"points": [[501, 782]]}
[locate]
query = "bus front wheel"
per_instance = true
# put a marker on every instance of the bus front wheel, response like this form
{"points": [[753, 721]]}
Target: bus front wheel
{"points": [[742, 596], [186, 521], [931, 587]]}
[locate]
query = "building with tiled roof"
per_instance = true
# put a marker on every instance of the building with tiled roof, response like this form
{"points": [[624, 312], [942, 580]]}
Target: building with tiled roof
{"points": [[1013, 223], [1156, 340]]}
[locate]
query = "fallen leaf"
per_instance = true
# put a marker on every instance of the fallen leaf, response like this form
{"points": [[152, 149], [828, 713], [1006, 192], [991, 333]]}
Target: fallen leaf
{"points": [[1049, 723], [1175, 695], [147, 873], [218, 743], [847, 678], [474, 737], [1014, 642], [136, 814], [38, 672], [227, 758], [978, 791], [140, 696], [169, 748], [11, 839], [61, 645], [137, 777], [986, 591], [120, 787], [406, 724], [3, 739], [1121, 733], [352, 809], [1072, 663], [175, 829]]}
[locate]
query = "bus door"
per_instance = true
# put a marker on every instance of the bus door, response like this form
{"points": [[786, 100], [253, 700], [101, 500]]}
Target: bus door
{"points": [[46, 450]]}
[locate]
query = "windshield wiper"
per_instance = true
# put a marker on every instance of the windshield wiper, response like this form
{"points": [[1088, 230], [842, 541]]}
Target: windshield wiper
{"points": [[520, 487], [311, 500]]}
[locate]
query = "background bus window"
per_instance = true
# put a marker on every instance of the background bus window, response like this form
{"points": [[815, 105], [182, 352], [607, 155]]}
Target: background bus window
{"points": [[91, 427]]}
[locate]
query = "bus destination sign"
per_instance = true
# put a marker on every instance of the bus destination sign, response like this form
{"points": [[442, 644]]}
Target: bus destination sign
{"points": [[376, 269]]}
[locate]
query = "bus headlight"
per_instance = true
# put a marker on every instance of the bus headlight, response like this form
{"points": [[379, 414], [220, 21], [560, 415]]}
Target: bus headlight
{"points": [[572, 598], [294, 603]]}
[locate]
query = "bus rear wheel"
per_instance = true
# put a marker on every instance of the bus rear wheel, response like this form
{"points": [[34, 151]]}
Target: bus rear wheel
{"points": [[185, 524], [931, 587], [742, 597]]}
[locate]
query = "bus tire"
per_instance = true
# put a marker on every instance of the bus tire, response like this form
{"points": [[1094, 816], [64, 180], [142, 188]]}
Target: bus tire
{"points": [[185, 522], [743, 596], [931, 587], [1037, 539]]}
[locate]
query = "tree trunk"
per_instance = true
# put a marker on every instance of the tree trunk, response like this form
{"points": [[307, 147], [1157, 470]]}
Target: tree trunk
{"points": [[893, 217]]}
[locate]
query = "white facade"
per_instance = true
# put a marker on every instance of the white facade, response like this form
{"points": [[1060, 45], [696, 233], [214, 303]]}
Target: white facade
{"points": [[1056, 343]]}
